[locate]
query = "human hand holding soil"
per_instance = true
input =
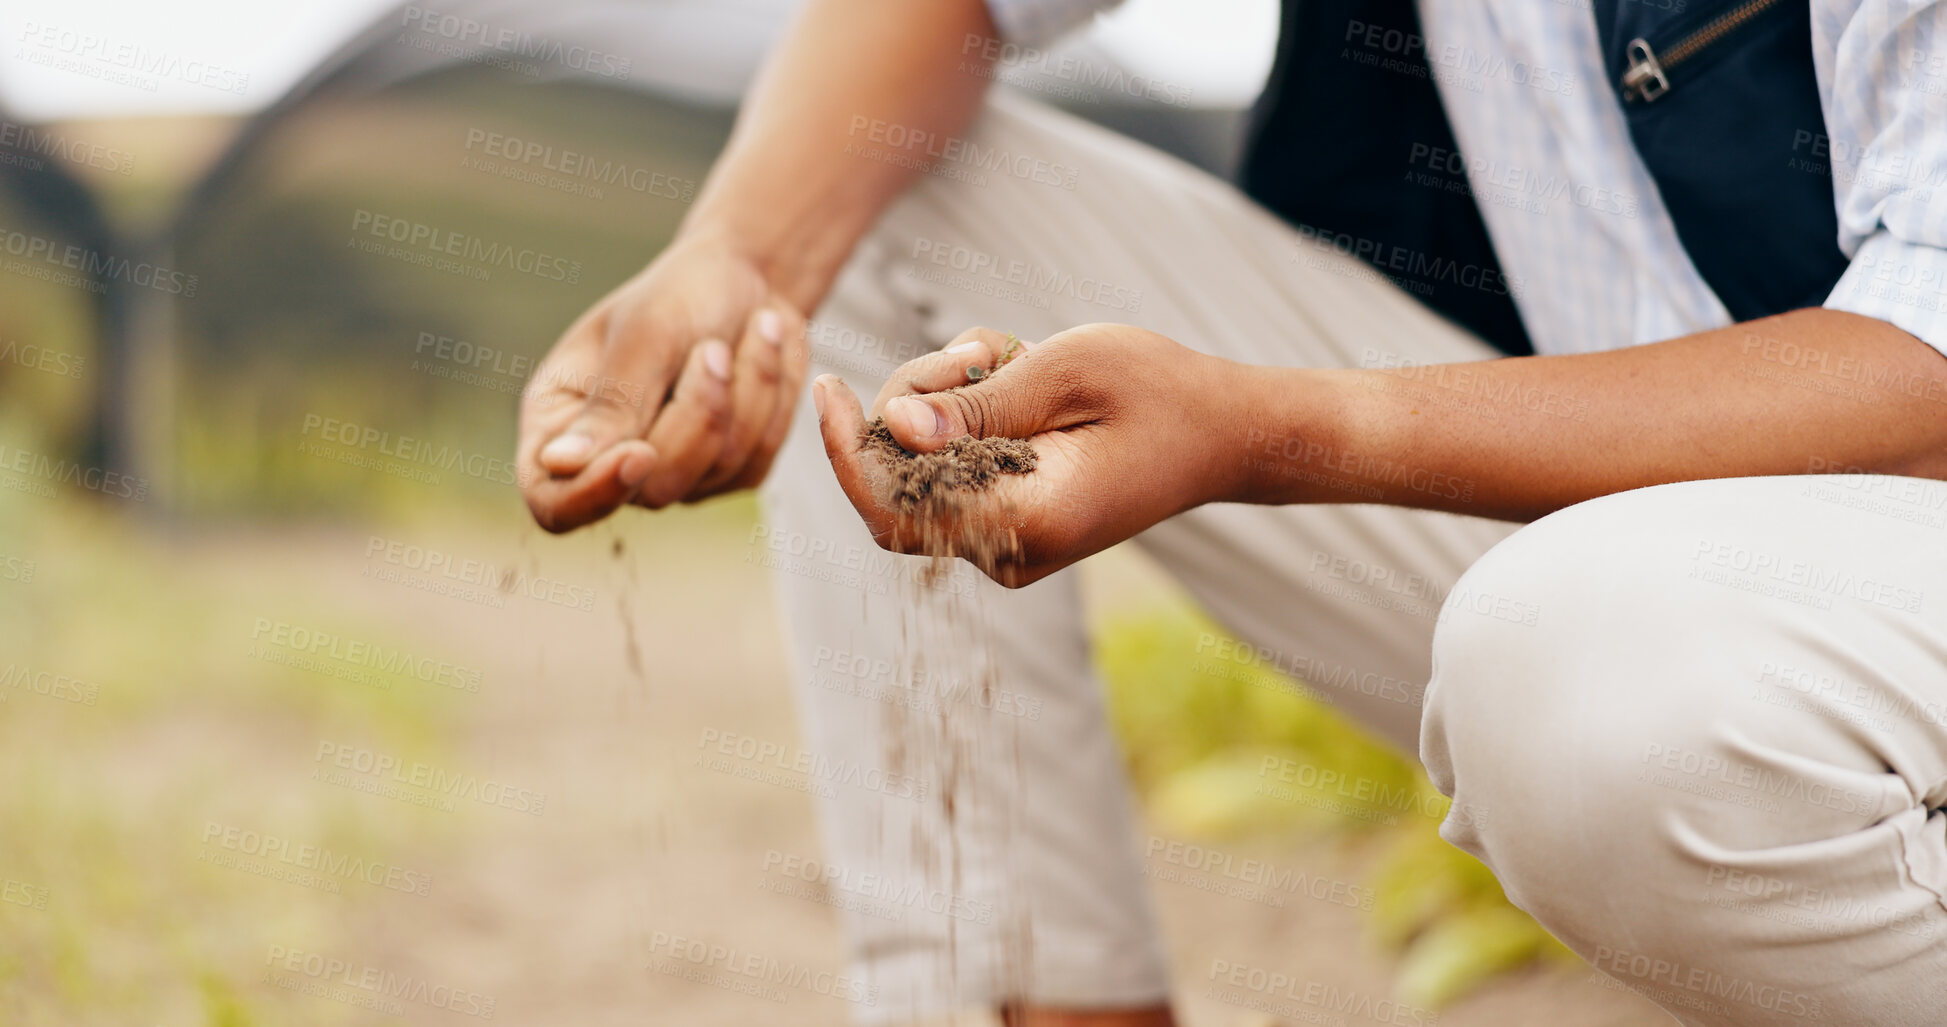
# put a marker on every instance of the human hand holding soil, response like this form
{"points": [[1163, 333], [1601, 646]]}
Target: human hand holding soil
{"points": [[1125, 429], [675, 387]]}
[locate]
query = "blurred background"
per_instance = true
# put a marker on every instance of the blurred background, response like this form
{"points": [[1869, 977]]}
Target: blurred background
{"points": [[292, 694]]}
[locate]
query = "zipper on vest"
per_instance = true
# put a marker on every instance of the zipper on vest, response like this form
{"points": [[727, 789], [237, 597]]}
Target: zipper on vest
{"points": [[1647, 78]]}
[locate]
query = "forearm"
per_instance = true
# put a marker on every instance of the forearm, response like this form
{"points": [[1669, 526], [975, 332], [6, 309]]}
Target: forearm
{"points": [[786, 191], [1519, 438]]}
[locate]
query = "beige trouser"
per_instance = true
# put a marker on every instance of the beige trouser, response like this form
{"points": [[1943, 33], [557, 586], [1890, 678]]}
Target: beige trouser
{"points": [[1706, 768]]}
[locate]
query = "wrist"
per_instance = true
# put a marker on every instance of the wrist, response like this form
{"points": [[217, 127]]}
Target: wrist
{"points": [[1283, 420], [799, 260]]}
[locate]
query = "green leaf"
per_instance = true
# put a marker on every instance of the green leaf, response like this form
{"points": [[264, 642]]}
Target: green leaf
{"points": [[1461, 952]]}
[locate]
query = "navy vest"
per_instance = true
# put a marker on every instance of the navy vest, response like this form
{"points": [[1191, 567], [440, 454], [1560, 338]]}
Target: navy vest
{"points": [[1722, 105]]}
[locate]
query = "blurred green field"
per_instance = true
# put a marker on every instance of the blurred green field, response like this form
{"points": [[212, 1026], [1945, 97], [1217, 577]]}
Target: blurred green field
{"points": [[178, 722]]}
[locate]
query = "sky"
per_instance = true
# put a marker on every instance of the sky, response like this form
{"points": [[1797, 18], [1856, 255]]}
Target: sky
{"points": [[85, 58]]}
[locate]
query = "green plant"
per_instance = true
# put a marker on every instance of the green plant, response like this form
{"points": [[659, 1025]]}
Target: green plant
{"points": [[1199, 734]]}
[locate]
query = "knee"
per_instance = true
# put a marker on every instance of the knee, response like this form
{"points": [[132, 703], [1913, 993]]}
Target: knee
{"points": [[1556, 694], [1599, 713]]}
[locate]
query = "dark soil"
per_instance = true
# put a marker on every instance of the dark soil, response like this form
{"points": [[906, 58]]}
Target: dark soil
{"points": [[934, 484]]}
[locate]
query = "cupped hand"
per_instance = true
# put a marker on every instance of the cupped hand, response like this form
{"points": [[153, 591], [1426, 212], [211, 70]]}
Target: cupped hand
{"points": [[677, 386], [1128, 429]]}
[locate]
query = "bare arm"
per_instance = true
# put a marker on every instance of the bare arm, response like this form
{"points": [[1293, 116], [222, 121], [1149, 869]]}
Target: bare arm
{"points": [[786, 190], [1515, 439]]}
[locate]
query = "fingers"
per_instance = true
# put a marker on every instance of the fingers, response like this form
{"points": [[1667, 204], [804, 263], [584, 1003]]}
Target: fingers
{"points": [[976, 349], [599, 482], [689, 433], [797, 362], [1016, 405], [621, 386], [755, 379], [544, 413], [840, 420], [548, 401], [563, 503]]}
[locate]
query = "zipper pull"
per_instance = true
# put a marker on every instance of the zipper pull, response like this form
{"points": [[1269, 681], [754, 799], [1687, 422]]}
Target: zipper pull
{"points": [[1644, 80]]}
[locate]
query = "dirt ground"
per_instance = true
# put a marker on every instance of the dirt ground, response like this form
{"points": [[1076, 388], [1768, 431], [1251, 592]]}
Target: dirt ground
{"points": [[554, 916]]}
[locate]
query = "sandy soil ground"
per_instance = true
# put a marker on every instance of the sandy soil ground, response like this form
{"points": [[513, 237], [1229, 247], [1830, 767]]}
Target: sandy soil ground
{"points": [[555, 916]]}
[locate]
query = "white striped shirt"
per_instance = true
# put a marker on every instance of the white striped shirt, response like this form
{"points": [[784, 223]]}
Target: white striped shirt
{"points": [[1596, 253]]}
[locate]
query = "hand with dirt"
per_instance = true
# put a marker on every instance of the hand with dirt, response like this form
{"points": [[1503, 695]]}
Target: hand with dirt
{"points": [[1126, 428], [675, 387]]}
